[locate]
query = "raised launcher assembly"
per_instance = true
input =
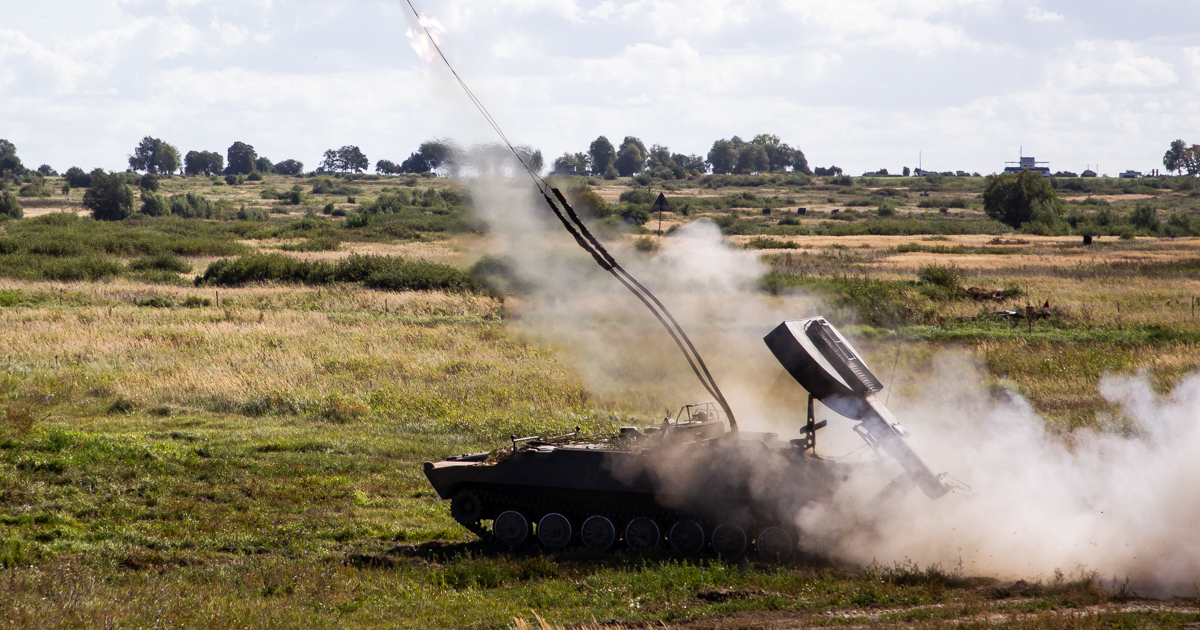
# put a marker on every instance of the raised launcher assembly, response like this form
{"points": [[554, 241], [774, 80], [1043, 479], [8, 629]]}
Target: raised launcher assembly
{"points": [[690, 482], [826, 365]]}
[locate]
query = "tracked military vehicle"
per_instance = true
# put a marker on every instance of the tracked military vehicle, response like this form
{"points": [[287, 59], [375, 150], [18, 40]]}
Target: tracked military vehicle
{"points": [[694, 482]]}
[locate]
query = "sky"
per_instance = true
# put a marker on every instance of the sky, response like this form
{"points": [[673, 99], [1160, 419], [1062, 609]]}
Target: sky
{"points": [[861, 84]]}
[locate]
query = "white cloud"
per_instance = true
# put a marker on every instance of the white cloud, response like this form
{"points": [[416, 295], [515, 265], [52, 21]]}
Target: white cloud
{"points": [[1035, 14], [1192, 55], [922, 26], [683, 18], [1108, 64], [860, 83]]}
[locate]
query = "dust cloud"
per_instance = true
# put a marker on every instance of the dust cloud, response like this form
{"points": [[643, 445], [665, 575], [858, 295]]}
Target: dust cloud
{"points": [[1118, 504]]}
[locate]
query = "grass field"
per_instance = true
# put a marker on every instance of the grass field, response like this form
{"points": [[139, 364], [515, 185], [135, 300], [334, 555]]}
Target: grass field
{"points": [[174, 455]]}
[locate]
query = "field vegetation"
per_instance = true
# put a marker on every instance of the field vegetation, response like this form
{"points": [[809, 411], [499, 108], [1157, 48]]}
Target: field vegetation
{"points": [[214, 413]]}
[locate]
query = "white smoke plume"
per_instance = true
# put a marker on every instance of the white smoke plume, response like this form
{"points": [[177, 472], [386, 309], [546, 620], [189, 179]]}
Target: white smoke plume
{"points": [[1123, 506]]}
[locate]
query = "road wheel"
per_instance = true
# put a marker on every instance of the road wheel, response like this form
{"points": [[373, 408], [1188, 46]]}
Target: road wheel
{"points": [[642, 533], [729, 540], [466, 507], [686, 537], [554, 531], [774, 544], [511, 528], [598, 533]]}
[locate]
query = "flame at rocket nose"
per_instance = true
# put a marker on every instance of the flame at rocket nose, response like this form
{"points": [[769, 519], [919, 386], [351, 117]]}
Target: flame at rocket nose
{"points": [[425, 36]]}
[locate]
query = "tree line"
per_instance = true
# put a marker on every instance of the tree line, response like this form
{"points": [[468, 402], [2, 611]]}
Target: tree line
{"points": [[766, 153]]}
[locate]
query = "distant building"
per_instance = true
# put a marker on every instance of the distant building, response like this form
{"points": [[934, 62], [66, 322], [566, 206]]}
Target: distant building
{"points": [[568, 169], [1130, 175], [1028, 164]]}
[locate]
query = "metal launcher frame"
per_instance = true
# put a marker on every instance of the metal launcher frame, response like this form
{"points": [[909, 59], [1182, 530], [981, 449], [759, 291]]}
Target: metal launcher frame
{"points": [[825, 364]]}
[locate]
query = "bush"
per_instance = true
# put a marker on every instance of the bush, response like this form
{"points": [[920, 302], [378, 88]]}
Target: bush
{"points": [[264, 267], [9, 207], [947, 277], [252, 214], [154, 204], [290, 167], [328, 209], [109, 197], [635, 215], [1180, 224], [148, 182], [162, 261], [646, 244], [254, 176], [770, 243], [234, 180], [886, 209], [36, 188], [590, 203], [192, 206], [378, 272], [1146, 217], [318, 244], [326, 186], [496, 275]]}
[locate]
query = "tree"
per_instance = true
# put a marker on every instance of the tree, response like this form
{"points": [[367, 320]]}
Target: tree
{"points": [[601, 155], [631, 159], [691, 163], [723, 157], [352, 159], [289, 167], [780, 156], [206, 163], [241, 159], [148, 182], [430, 156], [109, 197], [77, 178], [752, 158], [659, 156], [8, 158], [1012, 198], [907, 171], [47, 171], [1191, 160], [416, 163], [386, 167], [567, 161], [531, 157], [331, 162], [10, 208], [264, 166], [1173, 159], [155, 157]]}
